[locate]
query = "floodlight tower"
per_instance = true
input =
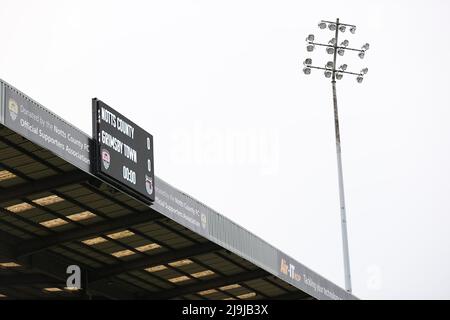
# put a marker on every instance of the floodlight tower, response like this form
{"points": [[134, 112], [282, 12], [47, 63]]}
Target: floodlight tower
{"points": [[331, 71]]}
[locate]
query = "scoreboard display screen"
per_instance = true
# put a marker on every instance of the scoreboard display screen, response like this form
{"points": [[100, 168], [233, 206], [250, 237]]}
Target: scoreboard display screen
{"points": [[123, 152]]}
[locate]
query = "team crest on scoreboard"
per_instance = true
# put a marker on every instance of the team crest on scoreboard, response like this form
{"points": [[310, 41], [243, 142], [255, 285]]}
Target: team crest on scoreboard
{"points": [[13, 109], [148, 184], [106, 158]]}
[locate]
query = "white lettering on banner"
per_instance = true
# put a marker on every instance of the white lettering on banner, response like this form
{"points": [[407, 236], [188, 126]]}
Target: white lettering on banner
{"points": [[78, 155], [59, 131], [29, 114], [48, 131], [192, 217], [112, 142], [51, 140], [76, 142], [25, 124], [319, 289]]}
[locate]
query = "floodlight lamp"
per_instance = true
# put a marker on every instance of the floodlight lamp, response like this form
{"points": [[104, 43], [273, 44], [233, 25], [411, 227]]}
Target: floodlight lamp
{"points": [[341, 52], [343, 67], [344, 43], [330, 50], [365, 70], [310, 38], [353, 30], [339, 76], [361, 54], [365, 47], [359, 79], [310, 47], [329, 65], [327, 74], [307, 70], [322, 25], [307, 62], [332, 26], [342, 28]]}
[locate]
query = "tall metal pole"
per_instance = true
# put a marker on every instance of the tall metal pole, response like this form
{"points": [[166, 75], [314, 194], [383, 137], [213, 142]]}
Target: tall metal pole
{"points": [[337, 74], [348, 282]]}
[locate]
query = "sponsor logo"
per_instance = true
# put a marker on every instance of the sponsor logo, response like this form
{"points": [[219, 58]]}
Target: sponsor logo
{"points": [[288, 269], [13, 109], [106, 159], [148, 184]]}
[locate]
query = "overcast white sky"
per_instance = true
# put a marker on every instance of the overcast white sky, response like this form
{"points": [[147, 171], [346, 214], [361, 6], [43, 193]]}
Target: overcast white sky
{"points": [[238, 125]]}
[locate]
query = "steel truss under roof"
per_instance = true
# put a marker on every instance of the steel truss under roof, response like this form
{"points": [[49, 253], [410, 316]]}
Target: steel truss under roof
{"points": [[54, 213]]}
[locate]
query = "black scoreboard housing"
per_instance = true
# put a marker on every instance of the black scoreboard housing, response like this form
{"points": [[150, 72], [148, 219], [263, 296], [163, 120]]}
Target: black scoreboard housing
{"points": [[123, 153]]}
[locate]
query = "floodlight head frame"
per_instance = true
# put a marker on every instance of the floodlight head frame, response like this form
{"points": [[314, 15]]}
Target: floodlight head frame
{"points": [[337, 48]]}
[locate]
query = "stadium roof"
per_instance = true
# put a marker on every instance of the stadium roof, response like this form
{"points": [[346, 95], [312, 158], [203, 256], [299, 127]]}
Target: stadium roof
{"points": [[54, 213]]}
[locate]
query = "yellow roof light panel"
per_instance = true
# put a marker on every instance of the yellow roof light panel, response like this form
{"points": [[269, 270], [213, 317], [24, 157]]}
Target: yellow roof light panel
{"points": [[120, 234], [81, 216], [156, 268], [94, 241], [148, 247], [179, 279], [180, 263], [230, 298], [52, 289], [230, 287], [53, 223], [6, 175], [9, 265], [247, 295], [18, 208], [46, 201], [202, 274], [206, 292], [122, 253]]}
